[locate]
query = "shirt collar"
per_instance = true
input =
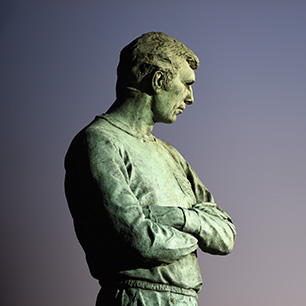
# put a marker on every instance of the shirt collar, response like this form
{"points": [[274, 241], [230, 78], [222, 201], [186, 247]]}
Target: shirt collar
{"points": [[127, 129]]}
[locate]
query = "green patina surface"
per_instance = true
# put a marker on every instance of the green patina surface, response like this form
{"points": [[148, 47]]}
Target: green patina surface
{"points": [[140, 211]]}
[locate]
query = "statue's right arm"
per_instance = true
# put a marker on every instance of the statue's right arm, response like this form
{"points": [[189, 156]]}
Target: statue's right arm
{"points": [[205, 220], [149, 241]]}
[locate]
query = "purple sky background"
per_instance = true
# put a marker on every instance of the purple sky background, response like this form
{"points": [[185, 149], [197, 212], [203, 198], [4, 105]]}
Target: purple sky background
{"points": [[244, 136]]}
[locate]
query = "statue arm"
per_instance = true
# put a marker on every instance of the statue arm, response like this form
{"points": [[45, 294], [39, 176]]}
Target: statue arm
{"points": [[149, 241], [205, 220], [212, 227]]}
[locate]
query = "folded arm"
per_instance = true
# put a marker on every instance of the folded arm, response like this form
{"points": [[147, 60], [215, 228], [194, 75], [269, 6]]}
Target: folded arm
{"points": [[206, 221], [148, 241]]}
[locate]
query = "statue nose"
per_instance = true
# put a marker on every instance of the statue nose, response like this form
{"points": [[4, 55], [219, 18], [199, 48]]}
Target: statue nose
{"points": [[189, 98], [188, 101]]}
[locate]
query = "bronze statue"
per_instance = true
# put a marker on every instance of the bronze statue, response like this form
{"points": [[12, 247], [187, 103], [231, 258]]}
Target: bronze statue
{"points": [[140, 211]]}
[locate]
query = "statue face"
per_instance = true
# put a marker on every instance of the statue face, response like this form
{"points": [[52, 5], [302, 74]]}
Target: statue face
{"points": [[167, 104]]}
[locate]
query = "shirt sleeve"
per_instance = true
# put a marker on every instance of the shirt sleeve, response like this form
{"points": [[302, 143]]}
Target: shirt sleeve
{"points": [[212, 226], [205, 220], [149, 241]]}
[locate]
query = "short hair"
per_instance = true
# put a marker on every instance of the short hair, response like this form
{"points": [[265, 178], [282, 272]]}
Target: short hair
{"points": [[147, 54]]}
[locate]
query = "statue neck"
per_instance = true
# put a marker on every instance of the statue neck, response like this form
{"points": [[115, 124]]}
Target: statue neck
{"points": [[134, 111]]}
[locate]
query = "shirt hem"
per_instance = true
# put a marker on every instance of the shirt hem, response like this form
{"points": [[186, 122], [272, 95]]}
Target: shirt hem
{"points": [[133, 283]]}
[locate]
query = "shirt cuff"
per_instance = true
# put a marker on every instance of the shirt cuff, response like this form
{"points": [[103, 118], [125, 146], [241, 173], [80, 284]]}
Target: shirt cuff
{"points": [[192, 222]]}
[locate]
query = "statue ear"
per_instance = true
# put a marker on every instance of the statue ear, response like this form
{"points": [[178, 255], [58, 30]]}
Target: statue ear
{"points": [[158, 80]]}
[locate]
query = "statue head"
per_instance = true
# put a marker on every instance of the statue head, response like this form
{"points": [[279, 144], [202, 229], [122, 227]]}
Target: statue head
{"points": [[151, 52]]}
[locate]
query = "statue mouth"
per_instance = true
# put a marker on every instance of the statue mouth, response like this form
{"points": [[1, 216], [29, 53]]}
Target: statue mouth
{"points": [[180, 109]]}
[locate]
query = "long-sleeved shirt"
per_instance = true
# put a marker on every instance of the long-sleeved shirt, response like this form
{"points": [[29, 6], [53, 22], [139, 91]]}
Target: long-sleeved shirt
{"points": [[122, 187]]}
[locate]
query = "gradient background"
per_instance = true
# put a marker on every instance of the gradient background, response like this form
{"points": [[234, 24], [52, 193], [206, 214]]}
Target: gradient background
{"points": [[244, 136]]}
